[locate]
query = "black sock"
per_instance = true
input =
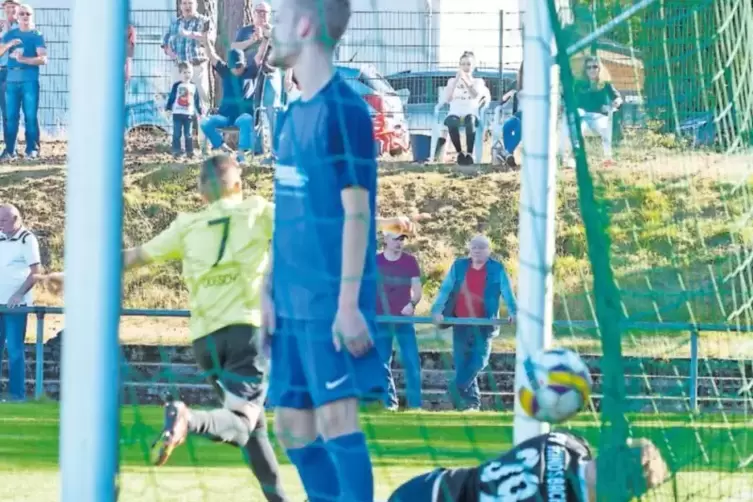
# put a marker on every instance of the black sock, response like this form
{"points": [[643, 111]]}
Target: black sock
{"points": [[220, 425], [263, 462]]}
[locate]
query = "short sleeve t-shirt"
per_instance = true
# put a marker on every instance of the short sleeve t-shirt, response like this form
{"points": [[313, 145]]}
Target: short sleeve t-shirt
{"points": [[225, 253], [31, 41], [394, 282], [593, 99], [18, 252], [462, 103], [323, 146]]}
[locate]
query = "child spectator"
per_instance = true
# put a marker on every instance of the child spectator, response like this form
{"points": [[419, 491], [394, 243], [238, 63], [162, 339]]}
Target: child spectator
{"points": [[237, 105], [185, 104]]}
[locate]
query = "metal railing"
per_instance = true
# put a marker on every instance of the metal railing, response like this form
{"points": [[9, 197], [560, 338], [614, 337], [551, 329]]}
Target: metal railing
{"points": [[693, 329]]}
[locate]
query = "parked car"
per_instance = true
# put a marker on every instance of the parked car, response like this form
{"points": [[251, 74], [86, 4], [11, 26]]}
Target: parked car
{"points": [[387, 111], [422, 92]]}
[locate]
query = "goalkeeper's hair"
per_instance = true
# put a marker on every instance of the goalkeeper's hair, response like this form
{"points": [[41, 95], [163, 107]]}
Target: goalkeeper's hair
{"points": [[331, 18], [219, 176]]}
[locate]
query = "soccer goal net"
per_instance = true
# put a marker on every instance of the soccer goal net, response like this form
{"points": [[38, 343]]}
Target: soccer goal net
{"points": [[656, 121]]}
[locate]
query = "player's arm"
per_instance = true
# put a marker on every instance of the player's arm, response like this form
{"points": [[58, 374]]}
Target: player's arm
{"points": [[353, 152], [355, 202], [167, 245]]}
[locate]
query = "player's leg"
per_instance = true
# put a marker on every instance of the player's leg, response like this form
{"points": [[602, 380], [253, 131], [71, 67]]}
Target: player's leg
{"points": [[295, 425], [411, 361], [337, 381]]}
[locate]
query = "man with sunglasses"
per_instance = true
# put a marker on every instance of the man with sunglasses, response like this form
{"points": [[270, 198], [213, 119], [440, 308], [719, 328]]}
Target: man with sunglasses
{"points": [[398, 293]]}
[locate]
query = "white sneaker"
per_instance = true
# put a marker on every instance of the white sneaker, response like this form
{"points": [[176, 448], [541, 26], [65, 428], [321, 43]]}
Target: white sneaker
{"points": [[34, 155]]}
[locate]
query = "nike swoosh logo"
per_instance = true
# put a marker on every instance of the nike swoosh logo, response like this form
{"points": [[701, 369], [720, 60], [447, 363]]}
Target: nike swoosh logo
{"points": [[336, 383]]}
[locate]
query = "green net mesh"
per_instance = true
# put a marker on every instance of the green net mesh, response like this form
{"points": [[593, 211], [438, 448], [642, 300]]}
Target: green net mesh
{"points": [[664, 260]]}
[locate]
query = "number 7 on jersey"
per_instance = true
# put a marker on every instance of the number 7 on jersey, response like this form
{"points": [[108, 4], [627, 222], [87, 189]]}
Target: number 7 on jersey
{"points": [[225, 222]]}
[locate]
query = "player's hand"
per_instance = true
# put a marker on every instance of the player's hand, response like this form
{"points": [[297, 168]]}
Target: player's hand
{"points": [[408, 310], [15, 301], [350, 329], [438, 318]]}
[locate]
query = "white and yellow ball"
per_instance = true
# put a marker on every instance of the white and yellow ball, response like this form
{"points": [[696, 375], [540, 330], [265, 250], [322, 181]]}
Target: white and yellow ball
{"points": [[556, 385]]}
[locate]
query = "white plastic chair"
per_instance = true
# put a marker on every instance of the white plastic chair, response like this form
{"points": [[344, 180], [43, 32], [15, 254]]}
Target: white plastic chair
{"points": [[438, 127]]}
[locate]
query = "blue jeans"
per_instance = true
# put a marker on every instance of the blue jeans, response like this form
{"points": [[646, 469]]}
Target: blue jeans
{"points": [[3, 78], [512, 131], [12, 332], [245, 124], [471, 347], [22, 96], [406, 341], [271, 101], [182, 129]]}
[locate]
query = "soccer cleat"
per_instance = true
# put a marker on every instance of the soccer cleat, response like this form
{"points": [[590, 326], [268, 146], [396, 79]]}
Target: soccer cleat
{"points": [[173, 434]]}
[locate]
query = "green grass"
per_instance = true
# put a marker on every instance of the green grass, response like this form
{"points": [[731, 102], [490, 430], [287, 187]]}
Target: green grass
{"points": [[402, 445]]}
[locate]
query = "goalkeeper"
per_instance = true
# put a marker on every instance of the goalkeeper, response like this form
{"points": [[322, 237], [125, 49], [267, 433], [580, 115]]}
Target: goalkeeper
{"points": [[225, 252], [554, 466]]}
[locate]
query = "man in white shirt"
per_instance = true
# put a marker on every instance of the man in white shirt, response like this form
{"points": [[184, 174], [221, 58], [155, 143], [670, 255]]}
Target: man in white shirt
{"points": [[19, 264]]}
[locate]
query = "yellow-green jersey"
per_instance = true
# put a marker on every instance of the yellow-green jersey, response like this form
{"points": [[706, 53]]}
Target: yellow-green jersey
{"points": [[225, 250]]}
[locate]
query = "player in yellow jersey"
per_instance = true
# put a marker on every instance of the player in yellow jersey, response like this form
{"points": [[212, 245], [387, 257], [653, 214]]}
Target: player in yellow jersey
{"points": [[224, 249]]}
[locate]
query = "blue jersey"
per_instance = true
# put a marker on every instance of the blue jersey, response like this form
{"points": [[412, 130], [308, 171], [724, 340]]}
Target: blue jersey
{"points": [[324, 145]]}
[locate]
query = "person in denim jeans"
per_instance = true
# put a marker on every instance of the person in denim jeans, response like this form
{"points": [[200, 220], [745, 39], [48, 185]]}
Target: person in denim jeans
{"points": [[27, 54], [184, 103], [236, 106], [472, 289], [399, 291], [19, 268], [253, 40], [10, 22]]}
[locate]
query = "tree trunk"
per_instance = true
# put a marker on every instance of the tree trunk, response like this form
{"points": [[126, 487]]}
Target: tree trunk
{"points": [[232, 14]]}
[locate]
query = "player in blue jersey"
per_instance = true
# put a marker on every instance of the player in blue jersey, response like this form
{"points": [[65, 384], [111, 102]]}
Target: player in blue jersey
{"points": [[557, 466], [321, 304]]}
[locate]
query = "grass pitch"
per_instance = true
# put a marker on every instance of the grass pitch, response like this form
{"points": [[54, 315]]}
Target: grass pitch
{"points": [[707, 454]]}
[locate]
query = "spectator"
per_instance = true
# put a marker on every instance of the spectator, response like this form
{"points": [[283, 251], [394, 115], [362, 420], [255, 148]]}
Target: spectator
{"points": [[19, 267], [597, 99], [399, 293], [183, 44], [10, 22], [27, 53], [236, 107], [512, 129], [185, 106], [254, 41], [130, 50], [465, 94], [472, 289]]}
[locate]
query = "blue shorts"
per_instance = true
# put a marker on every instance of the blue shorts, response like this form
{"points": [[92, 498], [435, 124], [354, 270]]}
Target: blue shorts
{"points": [[307, 372]]}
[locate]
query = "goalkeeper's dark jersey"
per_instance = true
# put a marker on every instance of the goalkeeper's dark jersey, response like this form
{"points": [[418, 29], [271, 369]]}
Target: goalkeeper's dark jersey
{"points": [[545, 468]]}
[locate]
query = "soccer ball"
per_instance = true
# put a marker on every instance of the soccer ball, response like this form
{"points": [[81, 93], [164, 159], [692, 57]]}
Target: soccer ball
{"points": [[556, 385]]}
